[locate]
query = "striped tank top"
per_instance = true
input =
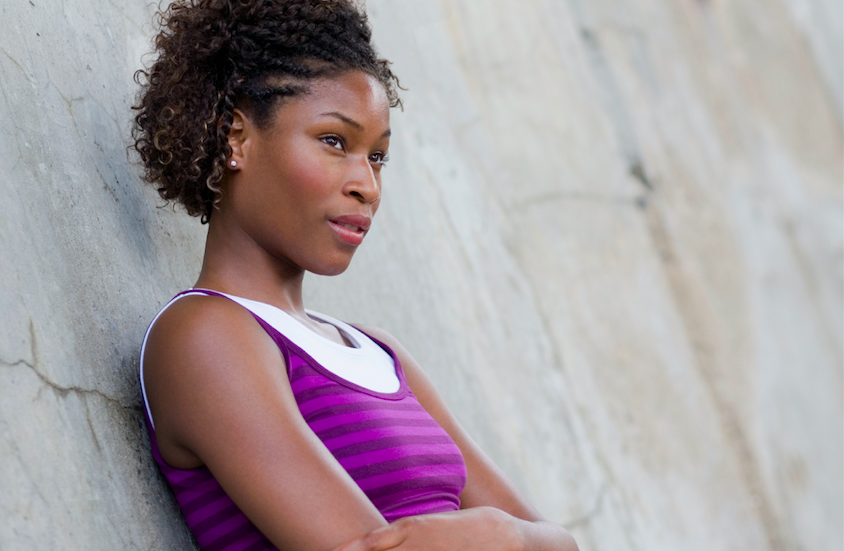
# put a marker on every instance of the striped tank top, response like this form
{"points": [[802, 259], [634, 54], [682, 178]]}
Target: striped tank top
{"points": [[404, 462]]}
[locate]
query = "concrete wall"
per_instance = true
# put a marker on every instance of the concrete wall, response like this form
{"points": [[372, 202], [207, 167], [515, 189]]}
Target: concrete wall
{"points": [[612, 232]]}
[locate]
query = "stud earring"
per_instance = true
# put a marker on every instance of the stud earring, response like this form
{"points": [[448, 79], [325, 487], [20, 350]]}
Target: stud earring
{"points": [[234, 164]]}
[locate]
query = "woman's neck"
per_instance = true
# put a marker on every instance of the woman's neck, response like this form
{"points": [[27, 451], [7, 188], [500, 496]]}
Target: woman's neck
{"points": [[235, 264]]}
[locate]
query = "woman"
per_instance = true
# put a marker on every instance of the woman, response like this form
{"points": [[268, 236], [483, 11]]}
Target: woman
{"points": [[279, 427]]}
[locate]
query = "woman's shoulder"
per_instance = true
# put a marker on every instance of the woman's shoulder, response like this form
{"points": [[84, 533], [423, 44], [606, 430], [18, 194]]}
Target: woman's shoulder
{"points": [[203, 356], [201, 329], [199, 320], [206, 340]]}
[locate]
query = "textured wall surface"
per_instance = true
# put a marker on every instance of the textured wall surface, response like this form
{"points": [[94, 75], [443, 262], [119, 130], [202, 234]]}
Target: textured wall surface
{"points": [[612, 233]]}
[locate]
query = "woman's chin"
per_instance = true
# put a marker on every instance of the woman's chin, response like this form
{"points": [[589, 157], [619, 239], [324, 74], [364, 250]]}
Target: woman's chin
{"points": [[331, 269]]}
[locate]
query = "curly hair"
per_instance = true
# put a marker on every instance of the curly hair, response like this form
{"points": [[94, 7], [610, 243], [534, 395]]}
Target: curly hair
{"points": [[214, 55]]}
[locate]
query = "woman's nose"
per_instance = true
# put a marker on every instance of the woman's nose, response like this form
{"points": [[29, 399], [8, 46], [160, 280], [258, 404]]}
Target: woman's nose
{"points": [[363, 182]]}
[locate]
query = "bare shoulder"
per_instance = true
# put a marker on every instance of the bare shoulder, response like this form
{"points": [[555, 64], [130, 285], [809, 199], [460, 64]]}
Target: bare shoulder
{"points": [[202, 352], [194, 322], [195, 331]]}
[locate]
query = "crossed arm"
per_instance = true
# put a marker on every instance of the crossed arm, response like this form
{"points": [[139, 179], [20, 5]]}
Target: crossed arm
{"points": [[226, 403]]}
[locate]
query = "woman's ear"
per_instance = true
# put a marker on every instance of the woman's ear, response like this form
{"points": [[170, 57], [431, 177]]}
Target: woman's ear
{"points": [[237, 140]]}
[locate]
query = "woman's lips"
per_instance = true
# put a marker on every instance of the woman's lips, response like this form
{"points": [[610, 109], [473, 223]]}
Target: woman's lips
{"points": [[351, 229]]}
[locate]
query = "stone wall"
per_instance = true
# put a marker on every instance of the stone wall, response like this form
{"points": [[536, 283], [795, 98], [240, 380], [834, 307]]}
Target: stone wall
{"points": [[611, 232]]}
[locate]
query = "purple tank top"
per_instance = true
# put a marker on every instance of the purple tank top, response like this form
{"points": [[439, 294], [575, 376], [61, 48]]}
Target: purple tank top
{"points": [[404, 462]]}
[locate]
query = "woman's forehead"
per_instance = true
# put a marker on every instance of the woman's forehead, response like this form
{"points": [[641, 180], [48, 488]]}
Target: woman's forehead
{"points": [[354, 95]]}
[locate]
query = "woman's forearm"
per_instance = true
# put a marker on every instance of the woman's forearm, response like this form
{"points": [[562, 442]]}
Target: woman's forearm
{"points": [[478, 529], [544, 536]]}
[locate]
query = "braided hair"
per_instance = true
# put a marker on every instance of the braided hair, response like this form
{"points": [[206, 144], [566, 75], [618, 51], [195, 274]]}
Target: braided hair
{"points": [[214, 55]]}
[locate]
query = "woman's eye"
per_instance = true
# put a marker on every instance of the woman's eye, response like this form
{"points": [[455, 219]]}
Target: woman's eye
{"points": [[333, 141], [379, 157]]}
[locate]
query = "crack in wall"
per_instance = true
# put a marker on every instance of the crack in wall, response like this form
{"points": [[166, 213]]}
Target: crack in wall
{"points": [[14, 121], [91, 427], [19, 66], [612, 99], [62, 390]]}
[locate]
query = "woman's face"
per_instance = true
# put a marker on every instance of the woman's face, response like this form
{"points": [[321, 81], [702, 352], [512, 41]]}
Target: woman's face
{"points": [[305, 188]]}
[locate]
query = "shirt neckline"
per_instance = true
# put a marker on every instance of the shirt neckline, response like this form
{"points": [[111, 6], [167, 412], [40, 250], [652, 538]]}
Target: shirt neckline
{"points": [[398, 394]]}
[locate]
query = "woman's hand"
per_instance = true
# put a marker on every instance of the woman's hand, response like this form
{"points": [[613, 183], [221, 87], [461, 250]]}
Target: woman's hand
{"points": [[476, 529]]}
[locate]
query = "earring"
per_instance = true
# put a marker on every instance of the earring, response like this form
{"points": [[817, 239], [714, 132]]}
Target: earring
{"points": [[233, 164]]}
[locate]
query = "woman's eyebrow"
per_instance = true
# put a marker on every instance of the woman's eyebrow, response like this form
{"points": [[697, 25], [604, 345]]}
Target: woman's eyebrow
{"points": [[351, 122]]}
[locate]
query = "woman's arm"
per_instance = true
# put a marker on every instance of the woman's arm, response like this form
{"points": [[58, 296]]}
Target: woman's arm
{"points": [[475, 529], [220, 397], [492, 507]]}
